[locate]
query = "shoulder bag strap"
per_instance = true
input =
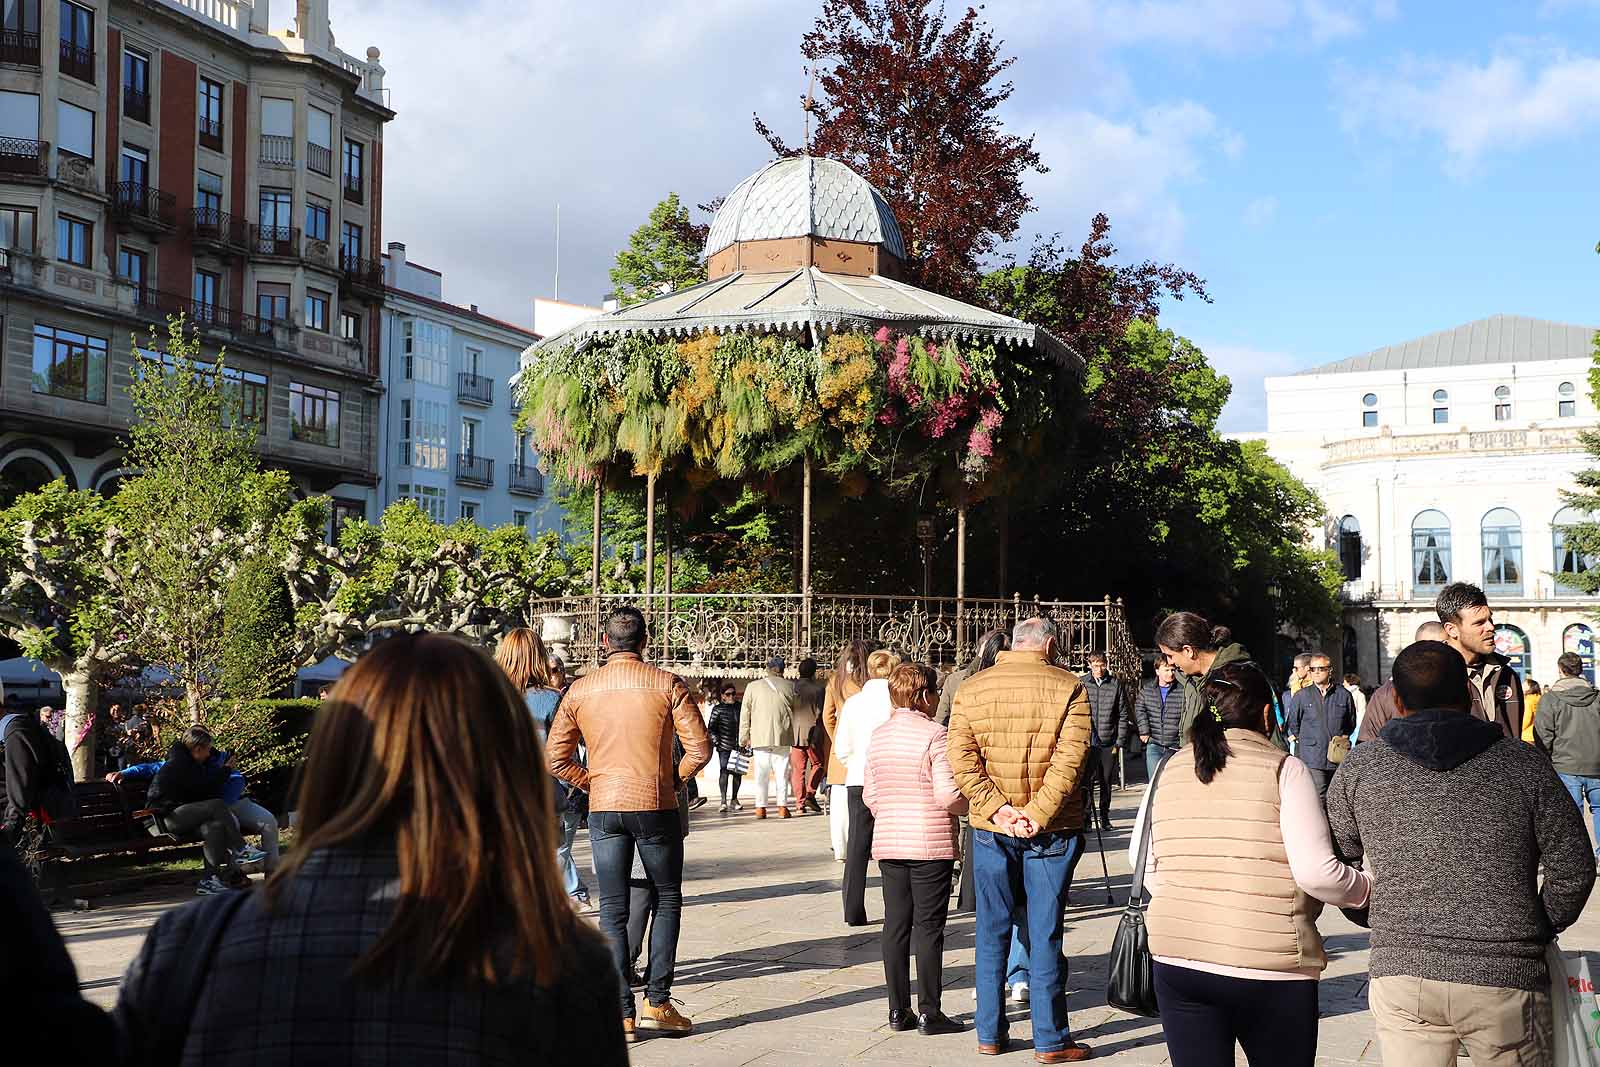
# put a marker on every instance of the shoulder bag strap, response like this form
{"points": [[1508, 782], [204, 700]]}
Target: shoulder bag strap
{"points": [[1136, 890], [184, 995]]}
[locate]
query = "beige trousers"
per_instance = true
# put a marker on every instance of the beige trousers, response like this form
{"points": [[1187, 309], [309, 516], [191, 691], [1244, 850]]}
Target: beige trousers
{"points": [[1421, 1020]]}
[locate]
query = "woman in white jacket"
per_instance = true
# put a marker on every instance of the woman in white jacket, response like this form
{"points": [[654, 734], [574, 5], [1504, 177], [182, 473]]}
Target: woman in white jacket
{"points": [[862, 713]]}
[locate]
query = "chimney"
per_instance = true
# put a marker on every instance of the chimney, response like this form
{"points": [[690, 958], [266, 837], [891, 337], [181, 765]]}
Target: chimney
{"points": [[397, 255], [474, 309]]}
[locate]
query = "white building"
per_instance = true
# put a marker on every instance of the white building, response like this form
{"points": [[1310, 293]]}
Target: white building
{"points": [[1443, 459], [446, 421]]}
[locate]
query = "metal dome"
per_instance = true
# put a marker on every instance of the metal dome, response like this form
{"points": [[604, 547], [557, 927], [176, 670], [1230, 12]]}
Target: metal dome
{"points": [[804, 196]]}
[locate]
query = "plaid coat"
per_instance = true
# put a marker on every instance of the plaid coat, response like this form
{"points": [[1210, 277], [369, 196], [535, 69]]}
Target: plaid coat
{"points": [[278, 990]]}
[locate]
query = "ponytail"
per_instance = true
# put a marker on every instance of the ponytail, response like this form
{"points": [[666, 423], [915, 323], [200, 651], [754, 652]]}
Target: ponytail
{"points": [[1186, 628], [1210, 741], [1235, 696]]}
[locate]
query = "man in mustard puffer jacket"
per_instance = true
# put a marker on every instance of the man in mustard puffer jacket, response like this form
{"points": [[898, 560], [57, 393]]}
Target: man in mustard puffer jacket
{"points": [[1019, 738]]}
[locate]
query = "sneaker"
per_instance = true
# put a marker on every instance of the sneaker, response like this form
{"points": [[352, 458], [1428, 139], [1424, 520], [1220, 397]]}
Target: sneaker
{"points": [[697, 802], [812, 806], [664, 1017], [722, 809], [251, 854], [210, 885], [737, 806], [628, 1035], [1019, 992]]}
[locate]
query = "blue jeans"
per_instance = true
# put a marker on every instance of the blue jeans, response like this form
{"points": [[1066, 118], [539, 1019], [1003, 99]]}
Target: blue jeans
{"points": [[1153, 755], [1581, 788], [1017, 959], [1009, 873], [658, 837], [569, 869]]}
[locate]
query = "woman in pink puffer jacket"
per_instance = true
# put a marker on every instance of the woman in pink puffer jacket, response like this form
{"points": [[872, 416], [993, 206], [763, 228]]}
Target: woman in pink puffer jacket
{"points": [[913, 796]]}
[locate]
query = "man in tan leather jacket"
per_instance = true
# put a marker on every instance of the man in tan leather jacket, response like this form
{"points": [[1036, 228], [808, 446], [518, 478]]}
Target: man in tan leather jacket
{"points": [[627, 713]]}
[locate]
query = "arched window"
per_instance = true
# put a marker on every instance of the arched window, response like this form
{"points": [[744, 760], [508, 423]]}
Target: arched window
{"points": [[1579, 640], [1441, 406], [1569, 562], [1430, 552], [1350, 548], [1351, 657], [1502, 552], [1566, 400], [1502, 403], [23, 474], [1369, 410], [1512, 643]]}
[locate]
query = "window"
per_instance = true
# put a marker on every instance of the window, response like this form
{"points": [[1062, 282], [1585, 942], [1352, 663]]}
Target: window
{"points": [[1502, 552], [207, 295], [314, 414], [135, 85], [520, 451], [135, 167], [132, 266], [1579, 640], [429, 498], [1570, 562], [250, 390], [1430, 551], [208, 194], [349, 242], [19, 115], [277, 131], [16, 227], [77, 41], [346, 511], [350, 326], [317, 310], [1350, 548], [522, 520], [68, 364], [354, 168], [472, 361], [74, 240], [422, 433], [1567, 401], [75, 130], [211, 114], [470, 509], [1512, 643], [1369, 410], [425, 348], [272, 301], [21, 17], [319, 141], [1502, 403], [316, 219], [405, 431], [471, 436], [276, 209], [1441, 406]]}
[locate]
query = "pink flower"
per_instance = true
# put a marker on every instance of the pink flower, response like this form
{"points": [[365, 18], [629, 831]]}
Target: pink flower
{"points": [[980, 443], [882, 336]]}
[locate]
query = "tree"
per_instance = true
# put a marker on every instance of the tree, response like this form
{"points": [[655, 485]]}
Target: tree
{"points": [[910, 103], [257, 629], [1582, 539], [663, 255]]}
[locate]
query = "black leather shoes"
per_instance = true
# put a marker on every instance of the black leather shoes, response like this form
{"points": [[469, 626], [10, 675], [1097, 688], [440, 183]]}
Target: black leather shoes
{"points": [[901, 1020], [937, 1022]]}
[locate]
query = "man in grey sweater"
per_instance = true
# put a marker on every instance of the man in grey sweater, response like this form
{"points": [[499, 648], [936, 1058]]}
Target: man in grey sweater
{"points": [[1455, 820]]}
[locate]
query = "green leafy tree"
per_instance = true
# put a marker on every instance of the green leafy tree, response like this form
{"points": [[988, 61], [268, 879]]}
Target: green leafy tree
{"points": [[1583, 538], [663, 255]]}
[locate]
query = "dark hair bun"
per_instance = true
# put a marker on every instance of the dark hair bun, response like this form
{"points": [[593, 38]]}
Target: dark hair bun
{"points": [[1220, 635]]}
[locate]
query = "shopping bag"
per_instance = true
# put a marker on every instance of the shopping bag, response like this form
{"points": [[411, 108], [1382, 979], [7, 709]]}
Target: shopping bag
{"points": [[738, 761], [1577, 1014]]}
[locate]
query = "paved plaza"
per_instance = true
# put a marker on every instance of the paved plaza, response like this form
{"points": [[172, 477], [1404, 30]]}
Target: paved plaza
{"points": [[771, 975]]}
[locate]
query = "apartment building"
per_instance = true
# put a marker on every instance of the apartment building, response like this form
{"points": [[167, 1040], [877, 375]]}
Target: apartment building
{"points": [[448, 412], [163, 157]]}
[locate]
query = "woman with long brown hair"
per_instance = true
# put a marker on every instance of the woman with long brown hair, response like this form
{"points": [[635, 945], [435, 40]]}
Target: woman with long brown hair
{"points": [[419, 919], [849, 675]]}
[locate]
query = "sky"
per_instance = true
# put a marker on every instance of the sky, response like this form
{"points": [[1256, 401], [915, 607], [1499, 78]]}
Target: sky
{"points": [[1345, 174]]}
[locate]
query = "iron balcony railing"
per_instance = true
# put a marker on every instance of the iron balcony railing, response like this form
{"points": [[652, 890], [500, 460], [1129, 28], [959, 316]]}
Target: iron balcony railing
{"points": [[136, 103], [526, 480], [275, 240], [319, 159], [17, 46], [77, 62], [363, 273], [203, 314], [211, 133], [276, 150], [474, 389], [21, 156], [211, 226], [259, 328], [144, 203], [352, 188], [474, 470]]}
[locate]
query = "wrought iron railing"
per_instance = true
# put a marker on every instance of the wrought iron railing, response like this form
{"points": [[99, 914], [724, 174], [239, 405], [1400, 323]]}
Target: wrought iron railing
{"points": [[474, 388], [21, 156], [138, 201], [362, 273], [734, 634], [277, 150], [526, 479], [200, 313], [474, 470], [218, 227], [275, 240], [136, 103], [17, 46], [352, 188], [77, 62], [211, 133]]}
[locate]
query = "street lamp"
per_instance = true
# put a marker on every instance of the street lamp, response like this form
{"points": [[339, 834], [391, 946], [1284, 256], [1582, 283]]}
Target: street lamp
{"points": [[925, 538], [1274, 597]]}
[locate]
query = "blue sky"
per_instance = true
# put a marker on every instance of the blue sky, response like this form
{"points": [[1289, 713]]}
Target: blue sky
{"points": [[1345, 173]]}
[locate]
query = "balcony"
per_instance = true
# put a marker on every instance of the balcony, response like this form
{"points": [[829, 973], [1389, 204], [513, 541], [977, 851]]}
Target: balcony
{"points": [[319, 159], [474, 389], [23, 157], [222, 232], [144, 207], [211, 134], [474, 470], [352, 188], [275, 241], [136, 104], [277, 151], [19, 47], [77, 62], [361, 275], [527, 480], [266, 331], [160, 305]]}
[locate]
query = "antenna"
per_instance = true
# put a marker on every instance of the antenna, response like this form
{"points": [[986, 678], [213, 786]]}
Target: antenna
{"points": [[558, 250], [809, 105]]}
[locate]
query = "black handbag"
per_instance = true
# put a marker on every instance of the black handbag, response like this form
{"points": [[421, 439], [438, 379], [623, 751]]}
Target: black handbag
{"points": [[1130, 982]]}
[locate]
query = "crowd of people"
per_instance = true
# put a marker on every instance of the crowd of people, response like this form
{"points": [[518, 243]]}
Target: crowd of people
{"points": [[433, 879]]}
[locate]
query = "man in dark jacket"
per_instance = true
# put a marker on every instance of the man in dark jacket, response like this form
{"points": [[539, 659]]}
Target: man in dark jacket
{"points": [[1106, 714], [1469, 629], [36, 778], [1457, 820], [1568, 729], [1318, 713], [187, 797], [1159, 714]]}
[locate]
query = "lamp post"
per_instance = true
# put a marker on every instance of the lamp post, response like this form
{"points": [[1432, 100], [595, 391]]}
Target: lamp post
{"points": [[925, 538], [1274, 598]]}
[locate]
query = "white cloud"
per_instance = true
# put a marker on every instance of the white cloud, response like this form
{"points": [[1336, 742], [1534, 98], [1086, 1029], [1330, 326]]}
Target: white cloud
{"points": [[1510, 101], [1260, 211], [1246, 367]]}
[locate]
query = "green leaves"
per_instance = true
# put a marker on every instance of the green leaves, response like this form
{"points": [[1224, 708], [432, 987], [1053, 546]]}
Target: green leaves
{"points": [[662, 255]]}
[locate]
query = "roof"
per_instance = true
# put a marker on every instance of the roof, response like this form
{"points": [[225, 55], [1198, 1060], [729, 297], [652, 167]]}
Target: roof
{"points": [[463, 312], [810, 297], [805, 196], [1496, 339]]}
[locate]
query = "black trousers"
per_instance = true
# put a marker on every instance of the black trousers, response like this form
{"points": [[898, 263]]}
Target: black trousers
{"points": [[916, 903], [726, 777], [1204, 1014], [1100, 772], [642, 903], [856, 856]]}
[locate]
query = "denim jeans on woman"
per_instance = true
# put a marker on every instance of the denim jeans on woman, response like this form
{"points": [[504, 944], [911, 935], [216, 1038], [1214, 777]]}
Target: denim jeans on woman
{"points": [[1009, 873], [657, 838], [569, 870]]}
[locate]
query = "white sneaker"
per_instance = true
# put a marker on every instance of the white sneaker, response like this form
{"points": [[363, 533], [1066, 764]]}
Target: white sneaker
{"points": [[1019, 992], [723, 808], [737, 806]]}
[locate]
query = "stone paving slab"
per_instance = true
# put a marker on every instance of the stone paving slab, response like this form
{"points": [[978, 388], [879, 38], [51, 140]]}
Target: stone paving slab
{"points": [[771, 975]]}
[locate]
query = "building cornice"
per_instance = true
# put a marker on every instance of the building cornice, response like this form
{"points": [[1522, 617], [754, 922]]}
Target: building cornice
{"points": [[1524, 441]]}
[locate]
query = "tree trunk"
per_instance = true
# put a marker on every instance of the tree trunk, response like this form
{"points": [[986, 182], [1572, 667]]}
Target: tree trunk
{"points": [[83, 694], [193, 697]]}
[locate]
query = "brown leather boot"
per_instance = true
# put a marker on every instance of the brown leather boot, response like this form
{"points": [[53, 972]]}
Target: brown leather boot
{"points": [[1071, 1054], [783, 812], [761, 813]]}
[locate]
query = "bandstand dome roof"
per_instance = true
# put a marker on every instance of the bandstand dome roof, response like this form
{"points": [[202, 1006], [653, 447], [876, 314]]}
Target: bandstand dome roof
{"points": [[804, 196]]}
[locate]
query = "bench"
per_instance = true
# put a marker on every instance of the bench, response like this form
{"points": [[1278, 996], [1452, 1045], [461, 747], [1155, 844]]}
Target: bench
{"points": [[110, 821]]}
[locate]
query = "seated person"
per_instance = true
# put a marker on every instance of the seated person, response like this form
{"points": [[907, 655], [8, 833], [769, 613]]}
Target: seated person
{"points": [[187, 798]]}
